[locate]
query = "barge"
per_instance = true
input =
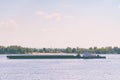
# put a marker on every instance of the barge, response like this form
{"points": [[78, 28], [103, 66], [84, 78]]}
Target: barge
{"points": [[58, 56]]}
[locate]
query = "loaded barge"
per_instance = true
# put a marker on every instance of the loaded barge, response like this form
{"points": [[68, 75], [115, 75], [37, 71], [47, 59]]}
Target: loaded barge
{"points": [[57, 56]]}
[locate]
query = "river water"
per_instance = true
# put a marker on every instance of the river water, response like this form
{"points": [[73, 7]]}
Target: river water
{"points": [[60, 69]]}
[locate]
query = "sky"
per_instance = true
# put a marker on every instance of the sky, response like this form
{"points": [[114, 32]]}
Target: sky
{"points": [[60, 23]]}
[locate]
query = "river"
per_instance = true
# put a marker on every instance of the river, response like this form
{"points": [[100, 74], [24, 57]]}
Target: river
{"points": [[60, 69]]}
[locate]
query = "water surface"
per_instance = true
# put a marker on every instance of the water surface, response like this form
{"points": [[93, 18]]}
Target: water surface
{"points": [[60, 69]]}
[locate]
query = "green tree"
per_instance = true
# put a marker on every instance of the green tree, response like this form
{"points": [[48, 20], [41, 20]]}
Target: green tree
{"points": [[68, 50]]}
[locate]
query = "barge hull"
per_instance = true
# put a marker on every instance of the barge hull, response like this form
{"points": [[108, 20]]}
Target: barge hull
{"points": [[51, 57]]}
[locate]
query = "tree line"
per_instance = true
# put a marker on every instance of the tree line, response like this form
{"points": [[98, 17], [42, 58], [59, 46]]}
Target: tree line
{"points": [[14, 49]]}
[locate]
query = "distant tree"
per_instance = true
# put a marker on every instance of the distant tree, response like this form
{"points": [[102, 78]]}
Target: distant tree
{"points": [[109, 50], [116, 50], [68, 50], [74, 50], [2, 50], [15, 50], [91, 50]]}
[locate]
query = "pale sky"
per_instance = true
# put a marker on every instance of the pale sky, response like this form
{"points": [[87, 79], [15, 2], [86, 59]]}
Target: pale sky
{"points": [[60, 23]]}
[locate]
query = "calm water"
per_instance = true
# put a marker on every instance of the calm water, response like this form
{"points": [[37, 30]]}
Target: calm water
{"points": [[60, 69]]}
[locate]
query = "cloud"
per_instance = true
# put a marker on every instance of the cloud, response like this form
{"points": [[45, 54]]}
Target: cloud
{"points": [[9, 27], [52, 16], [68, 17], [8, 24], [44, 30], [119, 6], [56, 16], [49, 16], [12, 23], [40, 13], [2, 23]]}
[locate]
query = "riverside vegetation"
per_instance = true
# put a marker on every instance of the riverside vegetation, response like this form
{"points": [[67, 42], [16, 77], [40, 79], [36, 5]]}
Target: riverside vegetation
{"points": [[14, 49]]}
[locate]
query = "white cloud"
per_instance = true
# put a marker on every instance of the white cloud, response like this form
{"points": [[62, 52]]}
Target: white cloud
{"points": [[49, 16], [12, 23], [2, 23], [8, 23], [9, 27], [44, 30], [52, 16], [119, 6], [56, 16], [40, 13], [68, 17]]}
